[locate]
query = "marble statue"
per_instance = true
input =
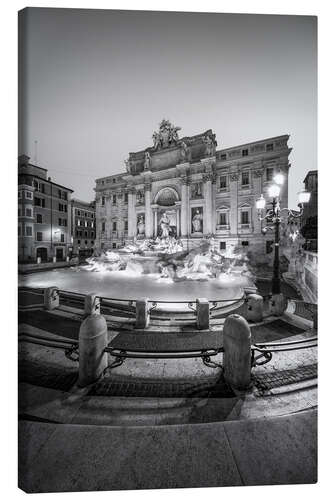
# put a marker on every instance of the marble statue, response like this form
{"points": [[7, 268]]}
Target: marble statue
{"points": [[128, 165], [166, 136], [165, 225], [141, 225], [197, 222], [210, 146], [184, 151], [147, 162]]}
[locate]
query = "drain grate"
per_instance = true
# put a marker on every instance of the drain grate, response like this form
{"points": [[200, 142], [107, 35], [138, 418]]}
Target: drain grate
{"points": [[110, 387], [267, 381]]}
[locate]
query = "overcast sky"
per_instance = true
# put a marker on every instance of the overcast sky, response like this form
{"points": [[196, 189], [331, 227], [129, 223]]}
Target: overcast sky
{"points": [[98, 82]]}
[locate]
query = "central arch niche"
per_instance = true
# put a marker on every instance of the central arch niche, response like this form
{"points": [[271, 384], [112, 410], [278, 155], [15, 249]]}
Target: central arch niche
{"points": [[166, 197]]}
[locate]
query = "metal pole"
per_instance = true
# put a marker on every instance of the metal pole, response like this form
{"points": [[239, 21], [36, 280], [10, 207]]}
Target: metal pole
{"points": [[276, 285]]}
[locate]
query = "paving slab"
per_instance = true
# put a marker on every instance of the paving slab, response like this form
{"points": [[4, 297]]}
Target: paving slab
{"points": [[86, 458], [280, 450]]}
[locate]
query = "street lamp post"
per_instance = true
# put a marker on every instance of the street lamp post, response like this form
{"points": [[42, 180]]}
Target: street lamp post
{"points": [[274, 215]]}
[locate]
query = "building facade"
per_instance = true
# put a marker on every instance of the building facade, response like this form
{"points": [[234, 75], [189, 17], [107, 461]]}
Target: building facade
{"points": [[192, 188], [44, 222], [83, 225], [309, 220]]}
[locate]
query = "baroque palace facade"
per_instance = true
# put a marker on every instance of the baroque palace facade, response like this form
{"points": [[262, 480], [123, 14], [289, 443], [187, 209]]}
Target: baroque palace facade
{"points": [[193, 189]]}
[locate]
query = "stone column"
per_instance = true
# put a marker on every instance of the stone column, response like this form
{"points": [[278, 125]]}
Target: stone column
{"points": [[257, 189], [214, 203], [184, 216], [154, 210], [178, 207], [207, 229], [148, 211], [131, 213], [234, 203]]}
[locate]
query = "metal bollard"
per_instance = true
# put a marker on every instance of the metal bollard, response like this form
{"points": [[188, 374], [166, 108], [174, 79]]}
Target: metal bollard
{"points": [[202, 314], [253, 308], [51, 298], [92, 304], [278, 304], [237, 352], [93, 339], [142, 313]]}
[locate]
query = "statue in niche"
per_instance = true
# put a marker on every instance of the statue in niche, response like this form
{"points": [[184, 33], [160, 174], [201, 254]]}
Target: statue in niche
{"points": [[139, 197], [165, 225], [184, 151], [147, 162], [196, 190], [141, 225], [197, 222], [210, 146]]}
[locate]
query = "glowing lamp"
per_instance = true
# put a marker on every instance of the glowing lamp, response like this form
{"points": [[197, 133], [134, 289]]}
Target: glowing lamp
{"points": [[260, 203], [274, 191], [304, 197], [278, 178]]}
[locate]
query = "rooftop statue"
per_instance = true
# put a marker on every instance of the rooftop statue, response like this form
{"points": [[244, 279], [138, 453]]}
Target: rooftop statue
{"points": [[166, 136], [147, 162], [210, 146], [184, 151]]}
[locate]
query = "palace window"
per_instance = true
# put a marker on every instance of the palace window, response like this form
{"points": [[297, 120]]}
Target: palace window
{"points": [[269, 173], [28, 212], [269, 147], [269, 246], [28, 230], [86, 242], [62, 238], [223, 182], [62, 222], [39, 202], [103, 227], [114, 226], [62, 207], [223, 219], [245, 217], [39, 219], [223, 157], [126, 198], [126, 225], [114, 245], [20, 194], [78, 242], [222, 245], [245, 152], [28, 194], [114, 199], [245, 243], [39, 236], [103, 201], [19, 211], [245, 178]]}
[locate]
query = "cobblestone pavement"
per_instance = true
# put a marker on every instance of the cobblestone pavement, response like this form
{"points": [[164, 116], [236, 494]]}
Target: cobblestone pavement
{"points": [[270, 380]]}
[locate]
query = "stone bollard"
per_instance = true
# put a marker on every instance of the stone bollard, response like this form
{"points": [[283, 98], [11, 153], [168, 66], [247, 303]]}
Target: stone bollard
{"points": [[51, 298], [93, 339], [67, 258], [202, 314], [253, 308], [237, 352], [92, 304], [142, 313], [54, 260], [39, 260], [278, 304]]}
